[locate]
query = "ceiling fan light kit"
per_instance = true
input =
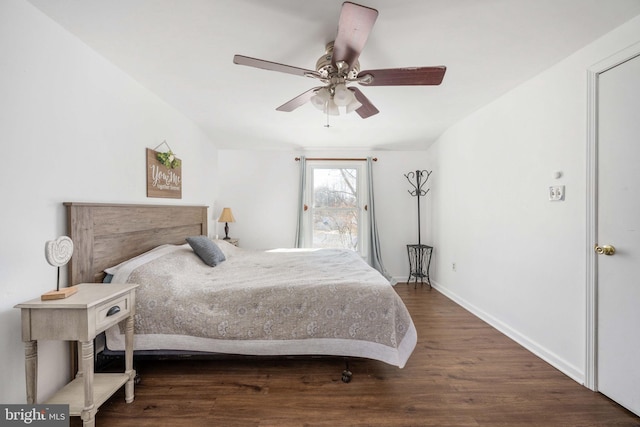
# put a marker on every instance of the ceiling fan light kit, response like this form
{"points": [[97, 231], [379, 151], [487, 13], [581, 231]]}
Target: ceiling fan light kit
{"points": [[353, 105], [329, 99], [339, 66], [342, 96], [320, 99]]}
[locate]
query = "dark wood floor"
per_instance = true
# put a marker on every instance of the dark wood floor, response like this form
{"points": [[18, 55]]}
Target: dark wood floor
{"points": [[462, 373]]}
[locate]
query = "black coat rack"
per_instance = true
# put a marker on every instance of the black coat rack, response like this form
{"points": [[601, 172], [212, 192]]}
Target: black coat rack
{"points": [[419, 255], [421, 177]]}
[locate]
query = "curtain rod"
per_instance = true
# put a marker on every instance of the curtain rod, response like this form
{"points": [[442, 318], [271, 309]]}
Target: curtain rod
{"points": [[375, 159]]}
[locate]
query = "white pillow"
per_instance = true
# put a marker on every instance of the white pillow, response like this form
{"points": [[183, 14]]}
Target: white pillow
{"points": [[141, 259], [227, 248]]}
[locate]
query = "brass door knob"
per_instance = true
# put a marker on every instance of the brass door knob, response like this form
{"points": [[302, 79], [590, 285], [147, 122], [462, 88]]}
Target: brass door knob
{"points": [[605, 249]]}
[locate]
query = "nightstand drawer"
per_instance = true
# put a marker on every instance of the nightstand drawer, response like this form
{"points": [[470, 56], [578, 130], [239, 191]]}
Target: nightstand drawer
{"points": [[112, 312]]}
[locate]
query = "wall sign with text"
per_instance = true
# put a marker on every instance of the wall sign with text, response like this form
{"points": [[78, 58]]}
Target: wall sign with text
{"points": [[161, 180]]}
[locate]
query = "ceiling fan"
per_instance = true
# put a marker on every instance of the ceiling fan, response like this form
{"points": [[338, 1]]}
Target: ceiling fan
{"points": [[339, 67]]}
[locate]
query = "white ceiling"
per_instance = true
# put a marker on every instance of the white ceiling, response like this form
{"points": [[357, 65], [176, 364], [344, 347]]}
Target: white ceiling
{"points": [[183, 51]]}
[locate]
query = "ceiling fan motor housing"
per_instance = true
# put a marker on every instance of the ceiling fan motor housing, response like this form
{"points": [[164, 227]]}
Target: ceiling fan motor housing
{"points": [[326, 68]]}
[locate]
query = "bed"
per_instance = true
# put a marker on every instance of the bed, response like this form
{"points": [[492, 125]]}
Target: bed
{"points": [[277, 302]]}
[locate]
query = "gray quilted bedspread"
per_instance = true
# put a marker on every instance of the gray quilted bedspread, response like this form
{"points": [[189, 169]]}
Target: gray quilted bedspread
{"points": [[254, 296]]}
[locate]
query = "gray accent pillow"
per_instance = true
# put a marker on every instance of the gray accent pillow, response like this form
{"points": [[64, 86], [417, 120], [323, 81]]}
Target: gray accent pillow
{"points": [[208, 251]]}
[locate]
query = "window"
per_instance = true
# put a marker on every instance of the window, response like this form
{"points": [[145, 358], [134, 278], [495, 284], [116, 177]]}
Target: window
{"points": [[336, 196]]}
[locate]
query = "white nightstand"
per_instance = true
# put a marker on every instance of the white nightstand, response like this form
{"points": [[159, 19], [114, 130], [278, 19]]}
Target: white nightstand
{"points": [[80, 317]]}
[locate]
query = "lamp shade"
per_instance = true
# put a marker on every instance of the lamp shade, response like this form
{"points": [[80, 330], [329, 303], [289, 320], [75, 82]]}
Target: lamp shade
{"points": [[353, 105], [320, 99], [342, 96], [226, 216]]}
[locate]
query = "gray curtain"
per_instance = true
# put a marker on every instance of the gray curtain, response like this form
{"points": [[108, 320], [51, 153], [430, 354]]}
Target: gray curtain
{"points": [[375, 256], [301, 195]]}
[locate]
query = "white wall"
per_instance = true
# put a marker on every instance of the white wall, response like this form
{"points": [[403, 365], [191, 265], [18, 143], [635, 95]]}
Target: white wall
{"points": [[261, 187], [72, 128], [520, 259]]}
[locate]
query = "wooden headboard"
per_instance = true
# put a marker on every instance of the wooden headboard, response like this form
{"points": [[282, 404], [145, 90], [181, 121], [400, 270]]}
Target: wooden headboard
{"points": [[106, 234]]}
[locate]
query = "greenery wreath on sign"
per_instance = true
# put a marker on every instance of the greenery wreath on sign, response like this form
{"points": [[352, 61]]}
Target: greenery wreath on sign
{"points": [[168, 159]]}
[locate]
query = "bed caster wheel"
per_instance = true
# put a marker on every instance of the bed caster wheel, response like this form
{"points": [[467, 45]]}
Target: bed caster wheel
{"points": [[346, 376]]}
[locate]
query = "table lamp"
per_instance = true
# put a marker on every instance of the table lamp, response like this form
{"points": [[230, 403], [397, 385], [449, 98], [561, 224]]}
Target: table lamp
{"points": [[226, 216]]}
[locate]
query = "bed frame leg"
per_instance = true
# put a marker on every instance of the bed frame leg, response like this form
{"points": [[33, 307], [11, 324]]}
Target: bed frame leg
{"points": [[346, 374]]}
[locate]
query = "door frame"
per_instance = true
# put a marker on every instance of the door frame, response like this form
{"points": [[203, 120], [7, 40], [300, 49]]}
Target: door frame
{"points": [[593, 75]]}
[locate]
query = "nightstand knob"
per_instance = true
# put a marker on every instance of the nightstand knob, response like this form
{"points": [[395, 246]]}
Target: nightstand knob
{"points": [[113, 310]]}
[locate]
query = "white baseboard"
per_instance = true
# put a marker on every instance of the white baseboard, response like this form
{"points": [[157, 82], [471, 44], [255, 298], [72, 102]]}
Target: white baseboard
{"points": [[562, 365]]}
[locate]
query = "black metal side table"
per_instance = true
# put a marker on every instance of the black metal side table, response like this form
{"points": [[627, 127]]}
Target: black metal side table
{"points": [[419, 262]]}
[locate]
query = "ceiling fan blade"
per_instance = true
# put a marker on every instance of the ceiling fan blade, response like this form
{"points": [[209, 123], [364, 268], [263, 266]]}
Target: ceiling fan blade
{"points": [[274, 66], [403, 76], [367, 109], [354, 27], [298, 101]]}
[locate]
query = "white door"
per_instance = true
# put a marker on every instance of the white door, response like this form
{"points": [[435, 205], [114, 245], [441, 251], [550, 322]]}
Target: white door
{"points": [[618, 275]]}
